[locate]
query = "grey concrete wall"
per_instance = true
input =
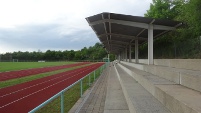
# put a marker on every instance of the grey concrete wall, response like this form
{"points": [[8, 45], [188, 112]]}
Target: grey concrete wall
{"points": [[192, 64], [142, 61], [185, 77], [163, 72], [190, 80], [137, 66]]}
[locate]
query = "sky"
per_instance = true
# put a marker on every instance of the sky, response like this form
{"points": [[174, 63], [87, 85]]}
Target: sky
{"points": [[41, 25]]}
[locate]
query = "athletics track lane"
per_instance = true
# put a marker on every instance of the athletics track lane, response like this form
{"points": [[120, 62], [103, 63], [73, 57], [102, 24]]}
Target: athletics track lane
{"points": [[22, 73], [24, 97]]}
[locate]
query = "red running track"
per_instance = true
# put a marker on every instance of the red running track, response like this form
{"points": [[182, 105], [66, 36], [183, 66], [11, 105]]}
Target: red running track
{"points": [[24, 97], [22, 73]]}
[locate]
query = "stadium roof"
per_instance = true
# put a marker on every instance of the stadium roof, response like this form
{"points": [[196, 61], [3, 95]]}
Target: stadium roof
{"points": [[118, 31]]}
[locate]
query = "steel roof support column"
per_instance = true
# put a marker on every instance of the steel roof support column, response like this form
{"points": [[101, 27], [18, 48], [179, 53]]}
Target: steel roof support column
{"points": [[136, 51], [130, 53], [120, 56], [150, 45], [126, 54], [123, 55]]}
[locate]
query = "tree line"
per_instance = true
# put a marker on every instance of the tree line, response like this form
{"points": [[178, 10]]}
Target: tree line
{"points": [[185, 42], [96, 52]]}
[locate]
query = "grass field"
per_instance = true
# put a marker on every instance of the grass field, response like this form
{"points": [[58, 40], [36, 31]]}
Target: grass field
{"points": [[10, 66]]}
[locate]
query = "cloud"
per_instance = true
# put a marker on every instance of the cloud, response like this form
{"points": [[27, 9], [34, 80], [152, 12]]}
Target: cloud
{"points": [[45, 37], [29, 25]]}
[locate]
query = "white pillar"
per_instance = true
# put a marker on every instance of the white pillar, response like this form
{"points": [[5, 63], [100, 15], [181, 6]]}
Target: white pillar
{"points": [[108, 57], [150, 45], [136, 51], [126, 54], [130, 53], [119, 57]]}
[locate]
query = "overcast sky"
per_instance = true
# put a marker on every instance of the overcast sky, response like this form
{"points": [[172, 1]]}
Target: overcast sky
{"points": [[32, 25]]}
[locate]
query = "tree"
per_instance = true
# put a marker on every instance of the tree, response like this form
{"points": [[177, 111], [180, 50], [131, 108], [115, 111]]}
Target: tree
{"points": [[191, 16], [71, 55], [85, 53], [183, 39], [164, 9], [50, 55], [78, 55], [65, 55], [95, 52]]}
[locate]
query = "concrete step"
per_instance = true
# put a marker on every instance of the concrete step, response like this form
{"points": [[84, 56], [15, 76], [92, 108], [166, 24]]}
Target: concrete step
{"points": [[115, 99], [177, 98], [188, 78], [138, 98], [185, 77]]}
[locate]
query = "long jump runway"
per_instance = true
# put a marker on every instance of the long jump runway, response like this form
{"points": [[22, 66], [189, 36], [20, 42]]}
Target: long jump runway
{"points": [[22, 73], [24, 97]]}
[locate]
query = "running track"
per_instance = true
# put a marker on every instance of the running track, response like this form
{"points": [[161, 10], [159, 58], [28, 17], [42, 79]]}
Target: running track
{"points": [[22, 73], [24, 97]]}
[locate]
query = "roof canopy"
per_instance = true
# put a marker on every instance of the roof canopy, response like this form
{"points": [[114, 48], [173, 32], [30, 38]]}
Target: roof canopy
{"points": [[117, 31]]}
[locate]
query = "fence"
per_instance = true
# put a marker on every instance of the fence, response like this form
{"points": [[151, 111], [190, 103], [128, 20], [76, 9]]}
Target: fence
{"points": [[190, 48], [65, 99]]}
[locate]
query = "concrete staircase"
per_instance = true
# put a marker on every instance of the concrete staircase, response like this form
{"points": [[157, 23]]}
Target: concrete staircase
{"points": [[168, 86], [139, 100]]}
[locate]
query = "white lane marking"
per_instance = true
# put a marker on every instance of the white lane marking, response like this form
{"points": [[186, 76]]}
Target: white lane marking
{"points": [[2, 76], [44, 88], [38, 84]]}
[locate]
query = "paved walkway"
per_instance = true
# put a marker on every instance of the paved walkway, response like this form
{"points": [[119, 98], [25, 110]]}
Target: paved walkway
{"points": [[96, 101], [106, 96], [96, 97]]}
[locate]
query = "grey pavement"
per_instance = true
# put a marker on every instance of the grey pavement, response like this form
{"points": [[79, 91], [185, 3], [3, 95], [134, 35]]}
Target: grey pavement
{"points": [[106, 96], [95, 102]]}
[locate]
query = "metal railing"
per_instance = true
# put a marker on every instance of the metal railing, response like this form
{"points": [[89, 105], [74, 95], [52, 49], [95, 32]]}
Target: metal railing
{"points": [[61, 93]]}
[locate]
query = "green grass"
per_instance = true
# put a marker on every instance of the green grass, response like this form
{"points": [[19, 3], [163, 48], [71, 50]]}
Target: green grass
{"points": [[10, 66], [16, 81], [70, 97]]}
